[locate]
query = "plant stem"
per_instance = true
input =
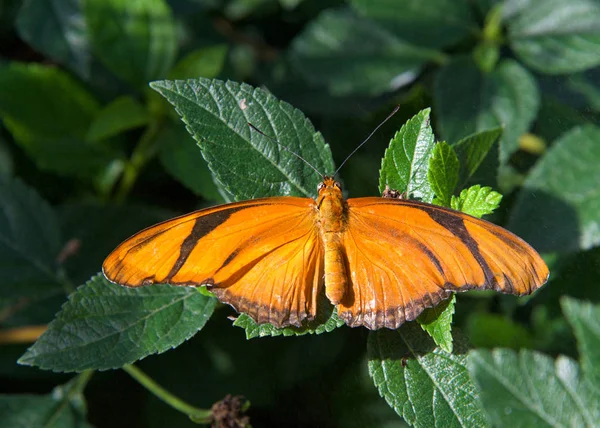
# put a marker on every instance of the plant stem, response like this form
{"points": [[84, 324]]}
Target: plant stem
{"points": [[196, 414], [145, 149], [82, 380]]}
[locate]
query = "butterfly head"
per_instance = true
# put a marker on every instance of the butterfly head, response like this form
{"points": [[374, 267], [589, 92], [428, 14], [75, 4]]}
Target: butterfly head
{"points": [[329, 187]]}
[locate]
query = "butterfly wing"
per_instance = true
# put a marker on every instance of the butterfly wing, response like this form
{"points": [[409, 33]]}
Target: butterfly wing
{"points": [[405, 256], [264, 257]]}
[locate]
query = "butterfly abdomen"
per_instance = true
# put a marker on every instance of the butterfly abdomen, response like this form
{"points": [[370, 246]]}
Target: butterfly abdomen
{"points": [[336, 277]]}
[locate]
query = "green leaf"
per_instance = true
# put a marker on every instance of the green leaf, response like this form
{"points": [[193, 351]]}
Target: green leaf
{"points": [[470, 101], [432, 23], [236, 10], [65, 156], [290, 4], [555, 118], [63, 407], [477, 201], [561, 195], [6, 160], [121, 115], [57, 29], [207, 62], [182, 158], [136, 40], [406, 161], [437, 322], [487, 330], [29, 244], [325, 322], [351, 55], [530, 389], [425, 385], [472, 150], [49, 114], [586, 84], [105, 326], [244, 162], [556, 36], [45, 100], [585, 320], [443, 172]]}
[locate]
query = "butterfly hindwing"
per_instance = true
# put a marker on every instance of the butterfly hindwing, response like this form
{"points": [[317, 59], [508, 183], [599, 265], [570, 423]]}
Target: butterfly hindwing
{"points": [[264, 257], [404, 256]]}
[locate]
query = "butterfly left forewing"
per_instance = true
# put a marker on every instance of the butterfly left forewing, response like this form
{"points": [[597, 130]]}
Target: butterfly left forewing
{"points": [[264, 257], [405, 256]]}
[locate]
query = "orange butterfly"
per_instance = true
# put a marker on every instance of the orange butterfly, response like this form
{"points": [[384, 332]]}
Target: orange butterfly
{"points": [[382, 261]]}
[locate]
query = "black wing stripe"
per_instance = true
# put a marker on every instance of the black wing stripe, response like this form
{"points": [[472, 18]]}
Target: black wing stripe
{"points": [[456, 225], [202, 227]]}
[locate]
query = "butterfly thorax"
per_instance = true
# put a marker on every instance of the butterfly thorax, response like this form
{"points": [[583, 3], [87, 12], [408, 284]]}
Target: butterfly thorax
{"points": [[332, 207], [333, 221]]}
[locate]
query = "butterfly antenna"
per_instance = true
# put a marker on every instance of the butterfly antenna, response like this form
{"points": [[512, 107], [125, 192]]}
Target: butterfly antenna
{"points": [[368, 138], [284, 147]]}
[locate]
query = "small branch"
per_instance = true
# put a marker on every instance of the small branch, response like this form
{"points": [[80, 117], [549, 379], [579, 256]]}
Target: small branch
{"points": [[28, 334], [144, 151], [202, 416]]}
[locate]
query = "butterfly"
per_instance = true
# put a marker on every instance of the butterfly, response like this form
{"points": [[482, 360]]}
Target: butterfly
{"points": [[381, 261]]}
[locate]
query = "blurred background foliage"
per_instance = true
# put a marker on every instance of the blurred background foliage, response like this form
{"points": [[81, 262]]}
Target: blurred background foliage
{"points": [[81, 127]]}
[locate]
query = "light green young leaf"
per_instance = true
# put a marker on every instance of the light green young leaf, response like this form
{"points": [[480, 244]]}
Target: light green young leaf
{"points": [[351, 55], [121, 115], [207, 62], [561, 194], [245, 163], [425, 385], [105, 326], [325, 321], [531, 389], [472, 151], [489, 330], [477, 201], [437, 322], [406, 160], [63, 407], [585, 320], [136, 40], [443, 172], [556, 36]]}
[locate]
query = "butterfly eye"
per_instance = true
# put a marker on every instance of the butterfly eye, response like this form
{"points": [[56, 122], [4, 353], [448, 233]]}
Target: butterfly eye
{"points": [[338, 185], [320, 186]]}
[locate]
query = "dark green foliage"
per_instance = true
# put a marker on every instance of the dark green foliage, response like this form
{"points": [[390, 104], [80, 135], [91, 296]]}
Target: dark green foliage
{"points": [[115, 115]]}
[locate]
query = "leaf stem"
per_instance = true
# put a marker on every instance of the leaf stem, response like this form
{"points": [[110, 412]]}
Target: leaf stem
{"points": [[82, 381], [144, 150], [202, 416]]}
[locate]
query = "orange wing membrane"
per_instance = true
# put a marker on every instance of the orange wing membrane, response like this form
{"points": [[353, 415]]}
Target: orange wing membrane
{"points": [[263, 257], [382, 260], [405, 256]]}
